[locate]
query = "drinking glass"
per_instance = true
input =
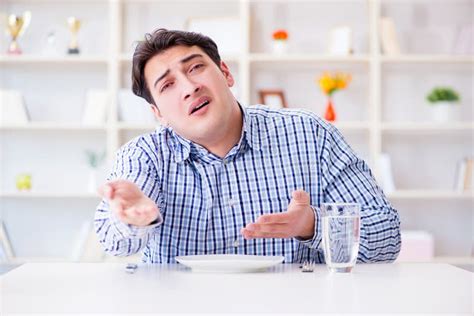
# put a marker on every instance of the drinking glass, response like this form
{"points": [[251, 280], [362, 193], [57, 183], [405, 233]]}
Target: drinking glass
{"points": [[341, 233]]}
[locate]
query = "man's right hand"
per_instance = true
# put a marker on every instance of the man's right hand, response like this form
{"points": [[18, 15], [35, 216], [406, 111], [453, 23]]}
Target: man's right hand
{"points": [[128, 203]]}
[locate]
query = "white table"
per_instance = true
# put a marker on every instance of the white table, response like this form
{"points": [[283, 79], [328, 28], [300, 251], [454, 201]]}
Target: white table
{"points": [[106, 288]]}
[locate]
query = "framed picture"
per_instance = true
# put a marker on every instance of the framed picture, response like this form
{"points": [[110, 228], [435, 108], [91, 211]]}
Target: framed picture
{"points": [[133, 109], [95, 108], [273, 98], [340, 41], [224, 31]]}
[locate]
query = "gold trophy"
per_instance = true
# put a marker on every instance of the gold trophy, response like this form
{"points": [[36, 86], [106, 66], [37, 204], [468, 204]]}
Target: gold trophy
{"points": [[74, 25], [16, 27]]}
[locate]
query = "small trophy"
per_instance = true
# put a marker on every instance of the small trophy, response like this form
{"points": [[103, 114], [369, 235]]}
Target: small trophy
{"points": [[16, 27], [74, 25]]}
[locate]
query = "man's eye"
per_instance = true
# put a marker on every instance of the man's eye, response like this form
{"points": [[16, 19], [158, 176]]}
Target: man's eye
{"points": [[166, 86], [196, 67]]}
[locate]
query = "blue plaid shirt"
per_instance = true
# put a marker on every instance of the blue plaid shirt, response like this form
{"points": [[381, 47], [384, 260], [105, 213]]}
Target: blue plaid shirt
{"points": [[205, 200]]}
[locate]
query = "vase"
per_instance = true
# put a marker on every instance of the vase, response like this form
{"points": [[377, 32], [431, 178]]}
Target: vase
{"points": [[443, 112], [330, 113], [280, 46]]}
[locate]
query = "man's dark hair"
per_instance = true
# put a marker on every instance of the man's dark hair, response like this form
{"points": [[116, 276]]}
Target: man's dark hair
{"points": [[157, 42]]}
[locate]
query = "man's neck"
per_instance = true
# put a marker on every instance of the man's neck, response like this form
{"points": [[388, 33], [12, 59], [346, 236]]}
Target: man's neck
{"points": [[223, 145]]}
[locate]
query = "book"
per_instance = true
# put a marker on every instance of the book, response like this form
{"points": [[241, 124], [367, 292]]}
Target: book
{"points": [[5, 245], [87, 247], [386, 175], [92, 250], [464, 43], [78, 248], [468, 173], [464, 176], [12, 108], [388, 37], [458, 178], [417, 246]]}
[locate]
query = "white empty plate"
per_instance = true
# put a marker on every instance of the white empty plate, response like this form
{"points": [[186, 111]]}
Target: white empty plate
{"points": [[229, 263]]}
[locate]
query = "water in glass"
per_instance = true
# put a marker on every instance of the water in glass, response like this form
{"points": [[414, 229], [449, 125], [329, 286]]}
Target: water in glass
{"points": [[341, 231]]}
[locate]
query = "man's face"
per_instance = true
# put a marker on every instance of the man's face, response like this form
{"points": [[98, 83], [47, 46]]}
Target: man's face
{"points": [[191, 92]]}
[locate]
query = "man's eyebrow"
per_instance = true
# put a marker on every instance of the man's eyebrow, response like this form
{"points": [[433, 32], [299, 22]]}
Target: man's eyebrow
{"points": [[188, 58], [161, 77], [182, 61]]}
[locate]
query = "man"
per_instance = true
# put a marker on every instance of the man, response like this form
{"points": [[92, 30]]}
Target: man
{"points": [[220, 178]]}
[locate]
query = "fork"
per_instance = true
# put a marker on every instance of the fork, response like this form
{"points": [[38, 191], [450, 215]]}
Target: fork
{"points": [[308, 266]]}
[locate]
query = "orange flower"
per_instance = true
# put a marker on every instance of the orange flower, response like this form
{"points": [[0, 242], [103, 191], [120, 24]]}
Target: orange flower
{"points": [[330, 83], [280, 34]]}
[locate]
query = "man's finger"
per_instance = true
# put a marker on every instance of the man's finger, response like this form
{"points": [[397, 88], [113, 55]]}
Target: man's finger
{"points": [[300, 197], [117, 207], [257, 234], [278, 218], [106, 191], [267, 228]]}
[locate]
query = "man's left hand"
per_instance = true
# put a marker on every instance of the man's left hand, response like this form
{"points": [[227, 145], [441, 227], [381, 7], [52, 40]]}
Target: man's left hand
{"points": [[297, 221]]}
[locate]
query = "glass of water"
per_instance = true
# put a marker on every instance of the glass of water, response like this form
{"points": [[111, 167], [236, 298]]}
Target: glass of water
{"points": [[341, 232]]}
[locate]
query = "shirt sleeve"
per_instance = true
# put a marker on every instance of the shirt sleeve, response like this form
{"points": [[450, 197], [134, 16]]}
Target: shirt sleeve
{"points": [[118, 238], [347, 178]]}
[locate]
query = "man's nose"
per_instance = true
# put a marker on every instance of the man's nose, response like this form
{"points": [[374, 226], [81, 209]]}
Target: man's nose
{"points": [[190, 88]]}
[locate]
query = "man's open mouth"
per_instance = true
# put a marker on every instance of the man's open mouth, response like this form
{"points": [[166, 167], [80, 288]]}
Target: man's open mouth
{"points": [[200, 106]]}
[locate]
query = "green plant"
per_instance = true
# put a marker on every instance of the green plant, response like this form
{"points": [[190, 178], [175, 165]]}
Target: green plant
{"points": [[94, 159], [440, 94]]}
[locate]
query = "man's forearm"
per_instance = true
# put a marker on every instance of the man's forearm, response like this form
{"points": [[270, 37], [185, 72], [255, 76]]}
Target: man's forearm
{"points": [[118, 238]]}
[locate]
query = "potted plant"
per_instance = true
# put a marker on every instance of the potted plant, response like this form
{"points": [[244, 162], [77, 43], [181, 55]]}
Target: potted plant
{"points": [[443, 100], [280, 38]]}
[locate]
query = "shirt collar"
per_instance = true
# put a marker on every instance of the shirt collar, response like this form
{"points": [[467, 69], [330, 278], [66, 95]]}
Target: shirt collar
{"points": [[251, 134]]}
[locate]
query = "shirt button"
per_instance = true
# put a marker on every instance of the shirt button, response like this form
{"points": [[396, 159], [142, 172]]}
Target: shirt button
{"points": [[232, 202]]}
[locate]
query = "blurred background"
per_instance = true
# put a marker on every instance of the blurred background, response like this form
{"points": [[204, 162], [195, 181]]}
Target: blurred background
{"points": [[396, 77]]}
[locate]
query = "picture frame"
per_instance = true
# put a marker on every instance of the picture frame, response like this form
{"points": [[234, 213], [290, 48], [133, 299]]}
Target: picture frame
{"points": [[340, 40], [133, 109], [95, 108], [225, 31], [273, 98], [12, 108]]}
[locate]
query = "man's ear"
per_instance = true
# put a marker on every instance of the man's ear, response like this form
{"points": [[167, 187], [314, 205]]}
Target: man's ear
{"points": [[158, 115], [228, 76]]}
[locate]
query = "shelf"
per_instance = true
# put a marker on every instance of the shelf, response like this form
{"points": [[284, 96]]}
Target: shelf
{"points": [[22, 260], [53, 126], [46, 195], [430, 194], [347, 126], [137, 126], [352, 126], [413, 127], [21, 59], [127, 58], [309, 58], [454, 260], [434, 59]]}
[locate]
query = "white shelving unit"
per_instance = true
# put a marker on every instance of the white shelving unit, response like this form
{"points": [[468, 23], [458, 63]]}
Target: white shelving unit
{"points": [[365, 108]]}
